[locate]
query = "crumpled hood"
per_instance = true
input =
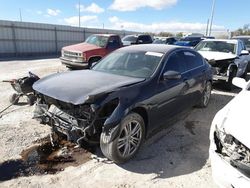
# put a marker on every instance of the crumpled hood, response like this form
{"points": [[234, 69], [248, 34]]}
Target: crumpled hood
{"points": [[77, 86], [217, 55], [237, 122], [81, 47]]}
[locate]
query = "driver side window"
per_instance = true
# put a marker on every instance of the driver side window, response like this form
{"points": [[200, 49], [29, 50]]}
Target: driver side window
{"points": [[175, 62]]}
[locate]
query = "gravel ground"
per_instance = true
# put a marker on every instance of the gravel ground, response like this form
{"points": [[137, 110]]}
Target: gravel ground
{"points": [[175, 157]]}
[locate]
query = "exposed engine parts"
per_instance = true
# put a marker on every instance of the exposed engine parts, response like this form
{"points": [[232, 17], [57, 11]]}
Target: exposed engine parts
{"points": [[77, 122], [233, 151]]}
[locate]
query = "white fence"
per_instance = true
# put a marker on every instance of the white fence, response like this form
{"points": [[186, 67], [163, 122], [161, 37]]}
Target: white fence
{"points": [[34, 39]]}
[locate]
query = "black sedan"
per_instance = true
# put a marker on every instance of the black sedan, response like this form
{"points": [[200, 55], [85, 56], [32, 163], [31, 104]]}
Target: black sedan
{"points": [[125, 97]]}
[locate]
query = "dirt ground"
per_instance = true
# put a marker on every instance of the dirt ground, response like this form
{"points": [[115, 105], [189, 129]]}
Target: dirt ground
{"points": [[175, 157]]}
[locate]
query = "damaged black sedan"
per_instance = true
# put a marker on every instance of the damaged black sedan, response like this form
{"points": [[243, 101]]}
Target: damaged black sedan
{"points": [[124, 97]]}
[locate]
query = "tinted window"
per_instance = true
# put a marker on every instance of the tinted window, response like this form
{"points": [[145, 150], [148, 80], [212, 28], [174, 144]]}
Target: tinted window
{"points": [[175, 62], [192, 60], [114, 42], [145, 38], [183, 61]]}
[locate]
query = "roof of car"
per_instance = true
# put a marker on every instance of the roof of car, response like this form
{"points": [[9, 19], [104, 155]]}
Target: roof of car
{"points": [[223, 40], [106, 35], [160, 48], [243, 36]]}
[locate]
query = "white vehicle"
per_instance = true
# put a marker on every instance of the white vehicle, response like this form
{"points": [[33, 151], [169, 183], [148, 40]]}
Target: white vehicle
{"points": [[230, 142], [229, 58]]}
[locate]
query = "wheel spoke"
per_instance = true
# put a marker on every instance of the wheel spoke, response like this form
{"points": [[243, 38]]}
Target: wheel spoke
{"points": [[121, 142], [136, 129], [130, 140]]}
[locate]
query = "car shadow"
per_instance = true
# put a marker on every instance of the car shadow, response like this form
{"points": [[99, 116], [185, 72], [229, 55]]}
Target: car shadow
{"points": [[182, 148]]}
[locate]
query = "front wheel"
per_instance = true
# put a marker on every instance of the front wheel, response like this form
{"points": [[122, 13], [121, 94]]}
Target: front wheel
{"points": [[125, 146], [229, 83]]}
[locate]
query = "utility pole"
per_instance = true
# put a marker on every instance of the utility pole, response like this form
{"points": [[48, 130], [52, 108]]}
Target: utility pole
{"points": [[207, 27], [212, 17], [20, 15], [79, 8]]}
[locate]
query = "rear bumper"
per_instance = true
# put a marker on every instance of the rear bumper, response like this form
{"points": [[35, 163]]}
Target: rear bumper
{"points": [[74, 63]]}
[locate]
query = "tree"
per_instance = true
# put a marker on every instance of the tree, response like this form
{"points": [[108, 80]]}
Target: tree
{"points": [[179, 35], [166, 34], [245, 30]]}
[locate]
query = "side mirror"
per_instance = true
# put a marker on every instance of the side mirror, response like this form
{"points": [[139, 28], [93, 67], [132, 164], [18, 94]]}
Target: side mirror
{"points": [[171, 75], [244, 52], [239, 82]]}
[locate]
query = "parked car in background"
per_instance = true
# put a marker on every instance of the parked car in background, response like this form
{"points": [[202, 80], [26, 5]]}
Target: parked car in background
{"points": [[246, 41], [229, 141], [124, 97], [137, 39], [95, 47], [188, 41], [228, 58], [165, 40]]}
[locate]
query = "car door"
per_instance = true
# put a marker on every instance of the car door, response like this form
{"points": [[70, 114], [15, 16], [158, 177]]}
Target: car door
{"points": [[196, 77], [170, 93]]}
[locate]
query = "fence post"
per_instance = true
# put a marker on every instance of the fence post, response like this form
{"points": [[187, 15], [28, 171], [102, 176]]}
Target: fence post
{"points": [[14, 38], [84, 37], [56, 44]]}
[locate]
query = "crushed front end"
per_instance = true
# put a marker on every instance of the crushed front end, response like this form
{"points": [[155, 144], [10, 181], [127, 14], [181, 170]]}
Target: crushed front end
{"points": [[77, 122], [230, 160], [222, 68]]}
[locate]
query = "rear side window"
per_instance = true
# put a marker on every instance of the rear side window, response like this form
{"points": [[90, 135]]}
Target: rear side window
{"points": [[192, 60]]}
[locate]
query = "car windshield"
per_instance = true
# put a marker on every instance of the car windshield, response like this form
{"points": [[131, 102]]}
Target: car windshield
{"points": [[97, 40], [217, 46], [130, 38], [158, 41], [138, 64]]}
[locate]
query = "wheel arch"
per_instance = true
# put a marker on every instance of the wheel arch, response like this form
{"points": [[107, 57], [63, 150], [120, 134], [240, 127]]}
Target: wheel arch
{"points": [[94, 57], [144, 114]]}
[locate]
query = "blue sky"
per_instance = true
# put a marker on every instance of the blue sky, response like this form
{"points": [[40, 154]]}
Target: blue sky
{"points": [[137, 15]]}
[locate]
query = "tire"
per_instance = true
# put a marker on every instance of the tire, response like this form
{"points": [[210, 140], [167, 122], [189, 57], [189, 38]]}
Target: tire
{"points": [[31, 99], [206, 95], [229, 83], [132, 124], [14, 98], [92, 60]]}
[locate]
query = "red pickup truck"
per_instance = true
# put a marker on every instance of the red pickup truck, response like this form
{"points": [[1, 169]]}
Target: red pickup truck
{"points": [[95, 47]]}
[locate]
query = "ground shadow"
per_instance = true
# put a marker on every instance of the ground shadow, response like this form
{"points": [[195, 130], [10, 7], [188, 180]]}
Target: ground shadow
{"points": [[182, 148]]}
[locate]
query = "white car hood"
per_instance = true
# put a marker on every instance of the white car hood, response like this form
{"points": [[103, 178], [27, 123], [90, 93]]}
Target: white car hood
{"points": [[217, 55], [238, 118]]}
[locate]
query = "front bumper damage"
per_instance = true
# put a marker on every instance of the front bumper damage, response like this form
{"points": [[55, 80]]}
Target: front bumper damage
{"points": [[221, 69], [78, 122], [230, 161]]}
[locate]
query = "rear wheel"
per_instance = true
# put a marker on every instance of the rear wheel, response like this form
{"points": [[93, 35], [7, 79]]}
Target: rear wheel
{"points": [[125, 146], [206, 95]]}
